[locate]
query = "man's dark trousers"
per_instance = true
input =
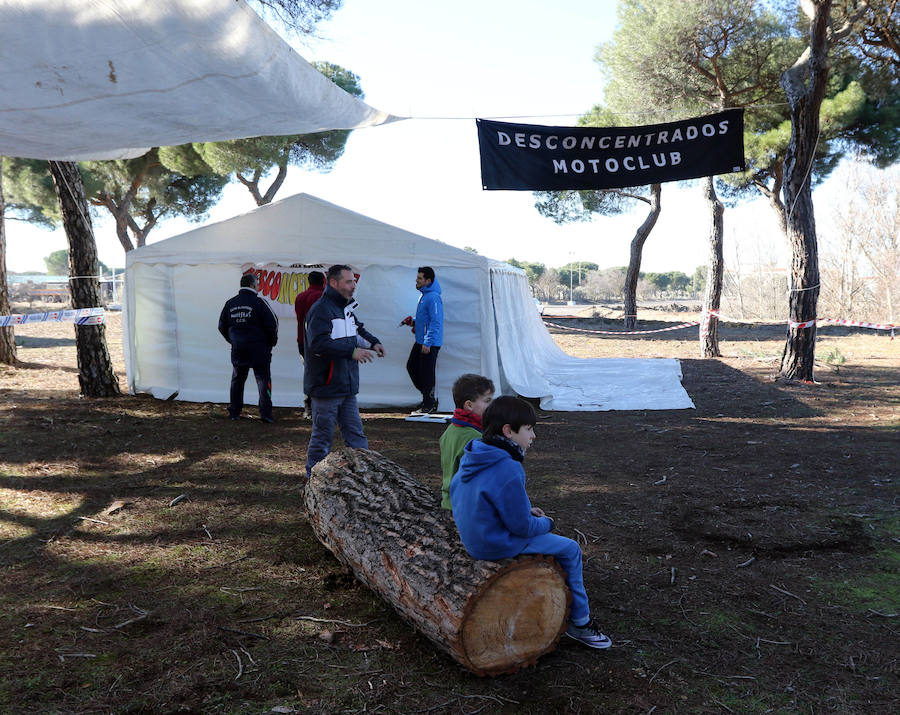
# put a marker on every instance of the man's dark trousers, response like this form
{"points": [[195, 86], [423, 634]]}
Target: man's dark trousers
{"points": [[421, 369], [241, 363]]}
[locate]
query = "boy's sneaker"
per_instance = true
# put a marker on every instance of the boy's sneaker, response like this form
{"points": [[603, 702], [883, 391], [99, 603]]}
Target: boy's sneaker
{"points": [[588, 634], [430, 408]]}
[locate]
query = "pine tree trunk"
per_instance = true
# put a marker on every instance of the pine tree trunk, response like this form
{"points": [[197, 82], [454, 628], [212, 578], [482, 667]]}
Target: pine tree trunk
{"points": [[389, 529], [709, 326], [95, 371], [634, 262], [7, 335], [805, 85]]}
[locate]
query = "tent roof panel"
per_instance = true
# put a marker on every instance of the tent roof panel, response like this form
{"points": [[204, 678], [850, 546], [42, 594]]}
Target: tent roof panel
{"points": [[304, 229], [97, 79]]}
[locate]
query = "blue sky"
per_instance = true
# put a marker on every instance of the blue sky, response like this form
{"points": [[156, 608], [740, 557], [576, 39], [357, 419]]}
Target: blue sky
{"points": [[444, 65]]}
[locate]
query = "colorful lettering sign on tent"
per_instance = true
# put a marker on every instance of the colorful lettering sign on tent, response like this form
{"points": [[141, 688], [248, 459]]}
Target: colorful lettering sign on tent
{"points": [[533, 157], [280, 285]]}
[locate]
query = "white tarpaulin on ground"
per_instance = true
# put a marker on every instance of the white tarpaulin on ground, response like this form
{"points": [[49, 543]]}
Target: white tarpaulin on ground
{"points": [[567, 383], [175, 290], [95, 79]]}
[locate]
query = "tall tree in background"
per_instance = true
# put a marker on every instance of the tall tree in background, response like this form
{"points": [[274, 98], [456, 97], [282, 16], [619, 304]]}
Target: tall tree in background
{"points": [[57, 263], [879, 237], [804, 85], [95, 372], [866, 242], [876, 35], [296, 16], [863, 26], [682, 57], [867, 39], [568, 206], [138, 193], [7, 335], [860, 111], [249, 161], [767, 133]]}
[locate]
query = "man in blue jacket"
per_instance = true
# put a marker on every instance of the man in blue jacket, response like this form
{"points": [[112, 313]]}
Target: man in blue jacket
{"points": [[335, 342], [249, 325], [428, 326]]}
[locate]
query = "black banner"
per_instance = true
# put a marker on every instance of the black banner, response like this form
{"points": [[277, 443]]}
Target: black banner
{"points": [[534, 157]]}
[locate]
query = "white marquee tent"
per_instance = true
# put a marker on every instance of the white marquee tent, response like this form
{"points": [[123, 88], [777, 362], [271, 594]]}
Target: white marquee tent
{"points": [[175, 290]]}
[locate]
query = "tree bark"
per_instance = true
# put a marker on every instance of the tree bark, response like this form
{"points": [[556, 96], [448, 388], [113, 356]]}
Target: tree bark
{"points": [[95, 371], [389, 529], [634, 262], [7, 334], [805, 85], [773, 196], [709, 326]]}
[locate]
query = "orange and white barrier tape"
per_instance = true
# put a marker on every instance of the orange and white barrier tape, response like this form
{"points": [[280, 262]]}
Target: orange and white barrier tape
{"points": [[622, 332]]}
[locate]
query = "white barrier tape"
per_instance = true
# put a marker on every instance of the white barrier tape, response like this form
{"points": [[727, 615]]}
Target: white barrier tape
{"points": [[79, 316], [621, 332]]}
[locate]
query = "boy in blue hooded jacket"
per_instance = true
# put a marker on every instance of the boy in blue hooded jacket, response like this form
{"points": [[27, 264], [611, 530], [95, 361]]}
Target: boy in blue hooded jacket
{"points": [[494, 516]]}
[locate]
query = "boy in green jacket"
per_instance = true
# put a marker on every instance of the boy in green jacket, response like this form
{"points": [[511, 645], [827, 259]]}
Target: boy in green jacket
{"points": [[471, 395]]}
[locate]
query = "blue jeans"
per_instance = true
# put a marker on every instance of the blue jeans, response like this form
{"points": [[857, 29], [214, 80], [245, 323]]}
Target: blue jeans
{"points": [[568, 553], [326, 411]]}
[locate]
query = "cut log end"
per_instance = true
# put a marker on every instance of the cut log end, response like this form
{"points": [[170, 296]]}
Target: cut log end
{"points": [[517, 616]]}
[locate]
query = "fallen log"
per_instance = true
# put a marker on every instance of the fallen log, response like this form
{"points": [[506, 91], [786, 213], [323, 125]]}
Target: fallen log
{"points": [[388, 528]]}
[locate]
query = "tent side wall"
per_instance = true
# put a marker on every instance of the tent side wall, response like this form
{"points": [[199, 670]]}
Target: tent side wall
{"points": [[174, 345], [148, 330], [522, 340]]}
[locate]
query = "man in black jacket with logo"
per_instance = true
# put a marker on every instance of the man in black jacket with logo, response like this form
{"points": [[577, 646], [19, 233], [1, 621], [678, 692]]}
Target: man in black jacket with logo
{"points": [[335, 342], [250, 326]]}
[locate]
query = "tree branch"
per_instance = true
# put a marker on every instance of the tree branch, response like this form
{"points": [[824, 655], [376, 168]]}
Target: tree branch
{"points": [[276, 183], [252, 185]]}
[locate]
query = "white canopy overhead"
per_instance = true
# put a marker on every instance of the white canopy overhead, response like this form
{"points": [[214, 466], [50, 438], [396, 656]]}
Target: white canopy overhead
{"points": [[103, 79], [176, 288]]}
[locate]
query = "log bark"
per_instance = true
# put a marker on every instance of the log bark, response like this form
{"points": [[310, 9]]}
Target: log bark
{"points": [[388, 528]]}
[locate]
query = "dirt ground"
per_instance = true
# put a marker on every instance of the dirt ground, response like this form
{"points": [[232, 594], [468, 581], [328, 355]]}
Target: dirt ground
{"points": [[743, 556]]}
